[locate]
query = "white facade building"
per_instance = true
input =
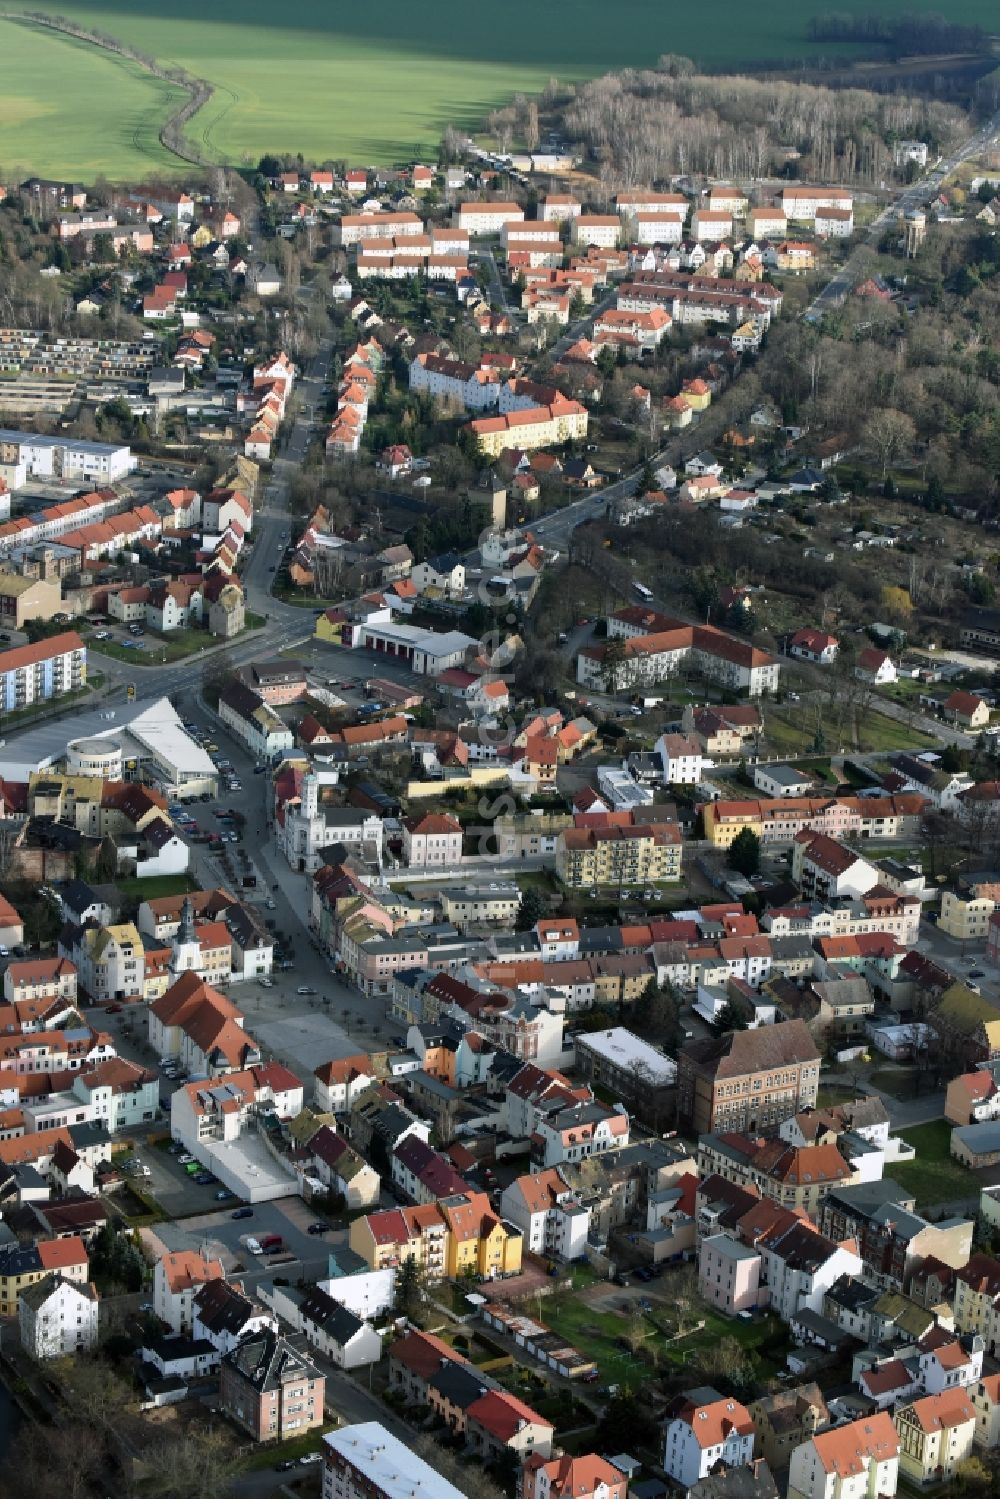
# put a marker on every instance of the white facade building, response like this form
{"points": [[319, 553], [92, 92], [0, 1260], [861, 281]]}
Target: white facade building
{"points": [[97, 463], [57, 1318], [549, 1214], [703, 1436]]}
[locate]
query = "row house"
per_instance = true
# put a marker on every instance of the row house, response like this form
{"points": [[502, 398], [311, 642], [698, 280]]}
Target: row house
{"points": [[780, 820], [858, 1460], [445, 1239], [581, 1130], [892, 1238]]}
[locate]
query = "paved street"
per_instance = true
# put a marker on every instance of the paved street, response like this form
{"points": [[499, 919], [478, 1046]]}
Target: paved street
{"points": [[917, 195]]}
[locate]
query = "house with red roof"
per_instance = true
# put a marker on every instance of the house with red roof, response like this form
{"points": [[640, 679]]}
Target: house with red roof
{"points": [[814, 645], [499, 1425], [874, 665], [966, 709], [846, 1462], [706, 1430]]}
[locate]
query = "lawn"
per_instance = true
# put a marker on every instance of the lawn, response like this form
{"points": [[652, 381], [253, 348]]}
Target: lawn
{"points": [[272, 1453], [339, 81], [157, 886], [791, 730], [595, 1333], [158, 649], [934, 1176]]}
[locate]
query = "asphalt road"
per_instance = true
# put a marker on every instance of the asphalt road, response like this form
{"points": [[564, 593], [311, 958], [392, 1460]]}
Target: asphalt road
{"points": [[916, 195]]}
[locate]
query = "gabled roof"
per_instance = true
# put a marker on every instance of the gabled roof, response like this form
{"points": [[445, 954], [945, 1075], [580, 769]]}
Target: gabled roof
{"points": [[847, 1450]]}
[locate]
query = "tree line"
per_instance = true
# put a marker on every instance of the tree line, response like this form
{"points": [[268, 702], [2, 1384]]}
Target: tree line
{"points": [[647, 127], [905, 36]]}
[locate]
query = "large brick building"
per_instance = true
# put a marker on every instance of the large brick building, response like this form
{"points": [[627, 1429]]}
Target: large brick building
{"points": [[747, 1080], [271, 1389]]}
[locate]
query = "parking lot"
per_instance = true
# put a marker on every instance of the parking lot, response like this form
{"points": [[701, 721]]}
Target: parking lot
{"points": [[174, 1189], [288, 1216]]}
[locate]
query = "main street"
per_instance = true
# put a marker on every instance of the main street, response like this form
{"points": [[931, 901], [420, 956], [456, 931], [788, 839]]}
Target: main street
{"points": [[916, 195]]}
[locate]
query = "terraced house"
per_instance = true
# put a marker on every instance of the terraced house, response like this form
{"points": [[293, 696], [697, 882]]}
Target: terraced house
{"points": [[447, 1238]]}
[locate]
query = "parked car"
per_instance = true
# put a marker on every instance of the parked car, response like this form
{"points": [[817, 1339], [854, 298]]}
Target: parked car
{"points": [[316, 1228], [243, 1213], [185, 1159]]}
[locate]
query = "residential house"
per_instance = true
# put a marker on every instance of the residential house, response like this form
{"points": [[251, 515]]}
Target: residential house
{"points": [[585, 1477], [57, 1318], [814, 645], [336, 1332], [271, 1389], [966, 710], [705, 1430], [222, 1315], [875, 666], [786, 1419], [936, 1434], [342, 1170], [859, 1460]]}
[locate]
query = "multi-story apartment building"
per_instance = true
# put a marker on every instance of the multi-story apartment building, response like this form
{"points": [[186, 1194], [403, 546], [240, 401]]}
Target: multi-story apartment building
{"points": [[786, 1419], [796, 1176], [270, 1388], [891, 1237], [935, 1435], [444, 1238], [779, 820], [177, 1278], [747, 1080], [622, 856], [355, 227], [367, 1462], [563, 420], [434, 840], [49, 668], [705, 1429], [800, 202], [549, 1213], [488, 217], [65, 458], [57, 1318]]}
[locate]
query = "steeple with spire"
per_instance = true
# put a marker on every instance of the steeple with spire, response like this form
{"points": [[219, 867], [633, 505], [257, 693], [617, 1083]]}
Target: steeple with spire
{"points": [[186, 947]]}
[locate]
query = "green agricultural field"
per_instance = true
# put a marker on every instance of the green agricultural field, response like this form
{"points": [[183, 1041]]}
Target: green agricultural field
{"points": [[370, 83], [70, 109]]}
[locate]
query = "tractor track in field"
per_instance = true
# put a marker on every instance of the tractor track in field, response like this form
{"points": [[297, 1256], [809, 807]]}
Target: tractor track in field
{"points": [[197, 92]]}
